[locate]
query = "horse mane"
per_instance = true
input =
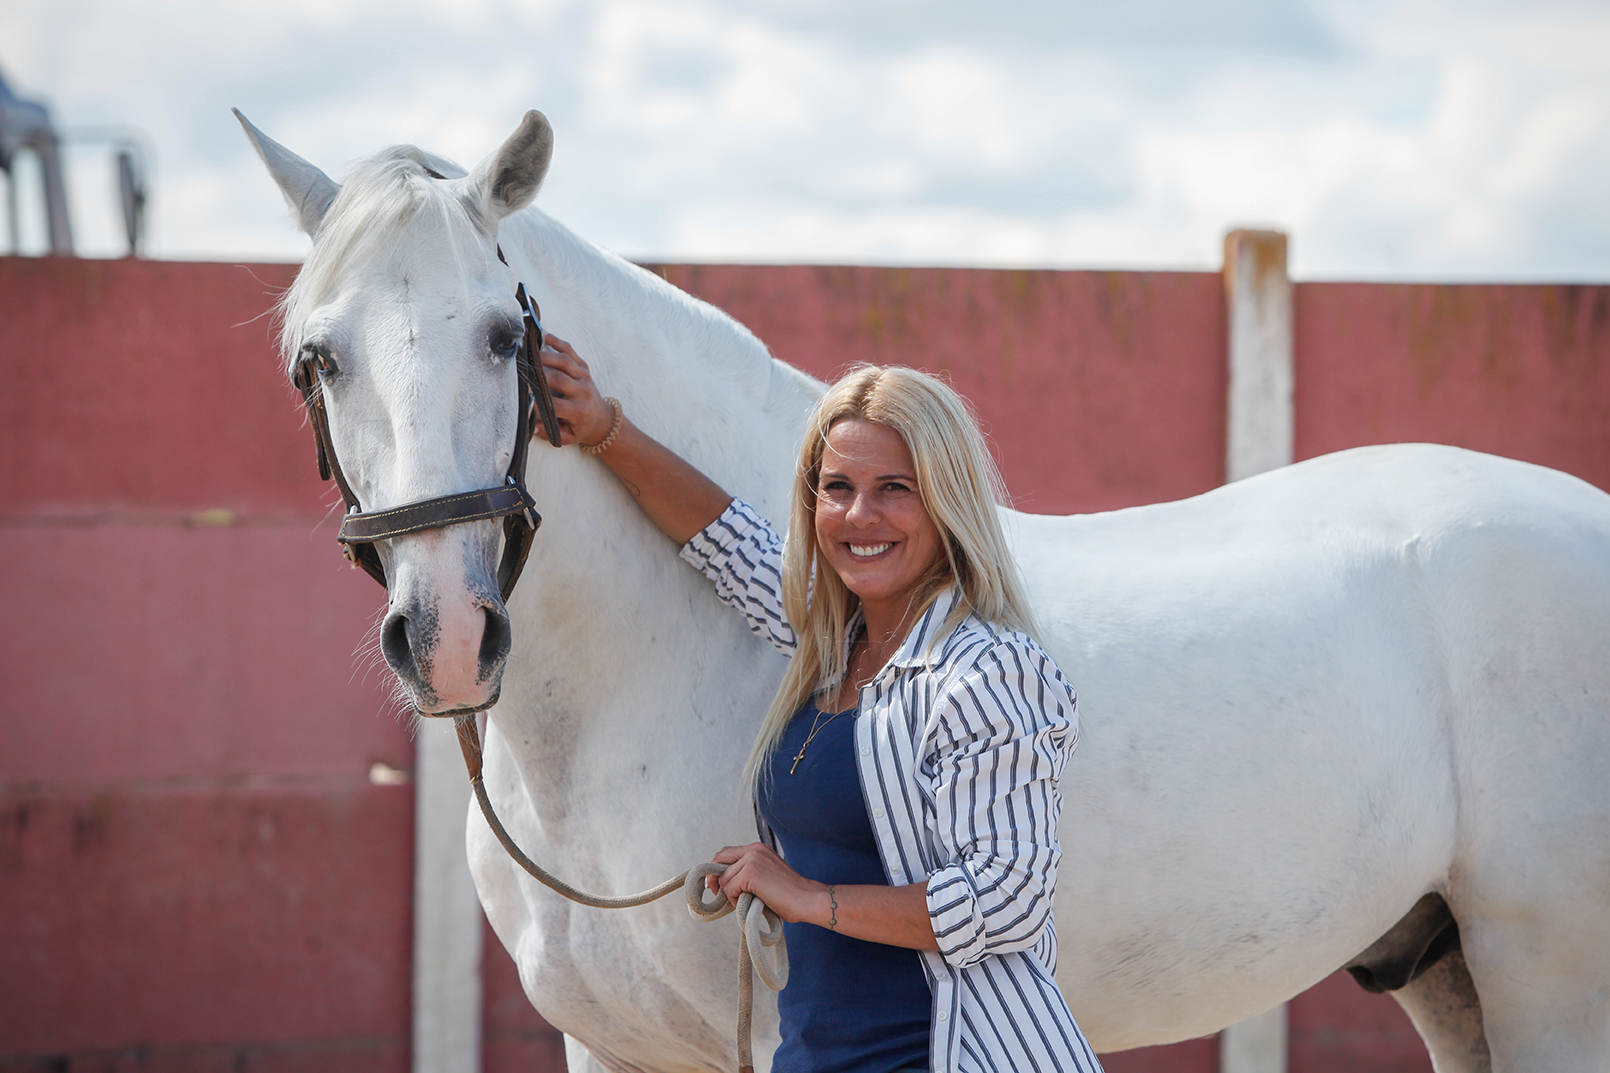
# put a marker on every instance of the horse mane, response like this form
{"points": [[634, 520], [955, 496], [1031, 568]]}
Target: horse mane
{"points": [[383, 193]]}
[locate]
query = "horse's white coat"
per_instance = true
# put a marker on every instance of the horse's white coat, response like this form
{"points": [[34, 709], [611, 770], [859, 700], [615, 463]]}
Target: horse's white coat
{"points": [[1309, 697]]}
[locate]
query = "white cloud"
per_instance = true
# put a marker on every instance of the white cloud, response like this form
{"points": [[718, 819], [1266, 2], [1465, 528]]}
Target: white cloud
{"points": [[1413, 138]]}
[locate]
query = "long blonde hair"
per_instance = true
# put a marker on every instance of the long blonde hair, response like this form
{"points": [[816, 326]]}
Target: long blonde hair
{"points": [[960, 487]]}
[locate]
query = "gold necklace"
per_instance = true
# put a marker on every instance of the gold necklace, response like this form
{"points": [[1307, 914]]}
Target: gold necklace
{"points": [[814, 728], [862, 641]]}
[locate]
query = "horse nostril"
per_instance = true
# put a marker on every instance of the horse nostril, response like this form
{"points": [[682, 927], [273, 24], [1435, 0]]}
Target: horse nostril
{"points": [[495, 640], [395, 647]]}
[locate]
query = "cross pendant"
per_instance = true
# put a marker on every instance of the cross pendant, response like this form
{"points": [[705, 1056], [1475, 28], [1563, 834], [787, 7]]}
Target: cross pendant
{"points": [[797, 758]]}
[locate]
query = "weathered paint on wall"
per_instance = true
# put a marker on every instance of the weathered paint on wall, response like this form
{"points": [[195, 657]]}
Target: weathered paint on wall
{"points": [[1519, 371], [195, 870], [169, 918], [1338, 1027], [1099, 389], [146, 385]]}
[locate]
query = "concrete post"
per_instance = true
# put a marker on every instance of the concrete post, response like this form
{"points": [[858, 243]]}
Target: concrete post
{"points": [[1257, 294], [1256, 1045], [447, 912]]}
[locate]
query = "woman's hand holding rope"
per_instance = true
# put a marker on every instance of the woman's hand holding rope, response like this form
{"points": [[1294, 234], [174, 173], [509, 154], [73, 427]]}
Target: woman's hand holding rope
{"points": [[897, 916]]}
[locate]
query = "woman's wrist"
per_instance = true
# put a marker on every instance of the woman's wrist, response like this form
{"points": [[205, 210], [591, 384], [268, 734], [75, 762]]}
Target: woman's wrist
{"points": [[612, 430], [896, 916], [821, 904]]}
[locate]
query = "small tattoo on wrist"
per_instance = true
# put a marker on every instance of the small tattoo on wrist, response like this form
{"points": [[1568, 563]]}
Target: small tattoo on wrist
{"points": [[833, 920]]}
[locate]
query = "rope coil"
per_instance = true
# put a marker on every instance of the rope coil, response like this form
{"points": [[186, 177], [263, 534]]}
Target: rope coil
{"points": [[758, 926]]}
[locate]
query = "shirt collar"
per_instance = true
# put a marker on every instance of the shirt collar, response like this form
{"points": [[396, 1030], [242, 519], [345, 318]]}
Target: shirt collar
{"points": [[913, 651]]}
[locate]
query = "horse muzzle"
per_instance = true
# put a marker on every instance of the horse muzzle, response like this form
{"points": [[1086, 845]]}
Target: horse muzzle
{"points": [[449, 654]]}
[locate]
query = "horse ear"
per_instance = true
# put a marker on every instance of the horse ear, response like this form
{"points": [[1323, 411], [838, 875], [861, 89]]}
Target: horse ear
{"points": [[508, 179], [308, 189]]}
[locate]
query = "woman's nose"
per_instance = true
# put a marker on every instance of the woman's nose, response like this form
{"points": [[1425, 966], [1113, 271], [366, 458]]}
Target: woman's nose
{"points": [[863, 510]]}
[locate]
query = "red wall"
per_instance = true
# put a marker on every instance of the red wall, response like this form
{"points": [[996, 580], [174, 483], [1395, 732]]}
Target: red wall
{"points": [[1519, 371], [1100, 389], [195, 870]]}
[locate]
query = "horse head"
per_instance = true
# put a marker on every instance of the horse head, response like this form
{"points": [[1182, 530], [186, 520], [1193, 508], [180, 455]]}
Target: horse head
{"points": [[405, 330]]}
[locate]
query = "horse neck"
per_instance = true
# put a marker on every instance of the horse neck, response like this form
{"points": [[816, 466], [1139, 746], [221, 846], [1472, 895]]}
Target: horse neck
{"points": [[680, 367], [615, 639]]}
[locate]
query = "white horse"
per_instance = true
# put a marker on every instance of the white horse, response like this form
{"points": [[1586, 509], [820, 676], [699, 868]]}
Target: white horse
{"points": [[1322, 707]]}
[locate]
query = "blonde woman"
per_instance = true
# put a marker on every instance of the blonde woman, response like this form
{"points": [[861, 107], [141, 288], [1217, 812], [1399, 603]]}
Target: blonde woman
{"points": [[907, 770]]}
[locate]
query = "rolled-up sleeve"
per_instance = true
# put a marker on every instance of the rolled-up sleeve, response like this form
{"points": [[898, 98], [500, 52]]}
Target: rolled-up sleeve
{"points": [[743, 557], [1005, 729]]}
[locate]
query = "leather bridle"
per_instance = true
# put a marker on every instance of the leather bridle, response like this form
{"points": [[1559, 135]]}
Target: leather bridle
{"points": [[510, 501]]}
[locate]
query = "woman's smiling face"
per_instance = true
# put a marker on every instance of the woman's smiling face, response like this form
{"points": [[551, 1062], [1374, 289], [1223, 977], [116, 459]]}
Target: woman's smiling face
{"points": [[871, 523]]}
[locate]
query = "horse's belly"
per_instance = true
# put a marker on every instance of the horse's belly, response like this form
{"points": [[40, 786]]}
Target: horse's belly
{"points": [[1221, 857], [1185, 906], [1263, 785]]}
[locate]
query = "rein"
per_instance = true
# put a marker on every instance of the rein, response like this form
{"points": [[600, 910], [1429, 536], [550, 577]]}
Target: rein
{"points": [[360, 530], [758, 925]]}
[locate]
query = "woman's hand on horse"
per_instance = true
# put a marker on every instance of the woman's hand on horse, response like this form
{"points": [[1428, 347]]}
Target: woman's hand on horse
{"points": [[584, 416], [676, 496], [757, 869]]}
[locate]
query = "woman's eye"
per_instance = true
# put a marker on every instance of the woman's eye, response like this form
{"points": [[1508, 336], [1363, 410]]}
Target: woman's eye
{"points": [[897, 488], [835, 489]]}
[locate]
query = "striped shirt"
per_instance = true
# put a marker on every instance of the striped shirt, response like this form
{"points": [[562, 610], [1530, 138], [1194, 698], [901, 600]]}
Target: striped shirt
{"points": [[959, 751]]}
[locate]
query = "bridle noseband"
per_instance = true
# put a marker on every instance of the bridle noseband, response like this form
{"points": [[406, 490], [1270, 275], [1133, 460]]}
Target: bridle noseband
{"points": [[510, 501]]}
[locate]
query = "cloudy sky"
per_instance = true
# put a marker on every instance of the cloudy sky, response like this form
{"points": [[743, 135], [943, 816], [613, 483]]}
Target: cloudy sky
{"points": [[1414, 139]]}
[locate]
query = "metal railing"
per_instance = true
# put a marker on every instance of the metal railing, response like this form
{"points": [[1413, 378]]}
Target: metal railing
{"points": [[26, 128]]}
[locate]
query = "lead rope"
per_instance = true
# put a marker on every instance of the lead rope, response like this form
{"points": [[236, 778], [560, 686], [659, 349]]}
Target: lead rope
{"points": [[758, 926]]}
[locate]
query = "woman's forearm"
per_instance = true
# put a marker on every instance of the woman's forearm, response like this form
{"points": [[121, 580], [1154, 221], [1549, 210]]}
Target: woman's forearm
{"points": [[897, 916], [675, 495]]}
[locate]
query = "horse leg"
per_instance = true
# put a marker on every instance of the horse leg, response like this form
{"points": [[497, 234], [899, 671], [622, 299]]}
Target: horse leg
{"points": [[1543, 993], [1443, 1005], [1536, 938], [1530, 729]]}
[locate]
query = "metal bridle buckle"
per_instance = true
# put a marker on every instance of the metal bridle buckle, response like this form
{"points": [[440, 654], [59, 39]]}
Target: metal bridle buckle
{"points": [[532, 518]]}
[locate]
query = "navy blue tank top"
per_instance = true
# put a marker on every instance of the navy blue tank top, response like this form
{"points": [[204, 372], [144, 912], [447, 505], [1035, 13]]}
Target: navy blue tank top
{"points": [[851, 1006]]}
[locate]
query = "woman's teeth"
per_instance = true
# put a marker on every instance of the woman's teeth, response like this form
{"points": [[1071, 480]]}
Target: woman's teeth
{"points": [[869, 549]]}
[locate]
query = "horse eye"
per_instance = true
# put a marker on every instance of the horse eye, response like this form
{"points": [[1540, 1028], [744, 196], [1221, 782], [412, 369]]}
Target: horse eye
{"points": [[323, 361], [504, 341]]}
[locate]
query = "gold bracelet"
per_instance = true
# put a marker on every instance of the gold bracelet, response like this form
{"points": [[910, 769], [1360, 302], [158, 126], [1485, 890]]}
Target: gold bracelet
{"points": [[614, 430]]}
